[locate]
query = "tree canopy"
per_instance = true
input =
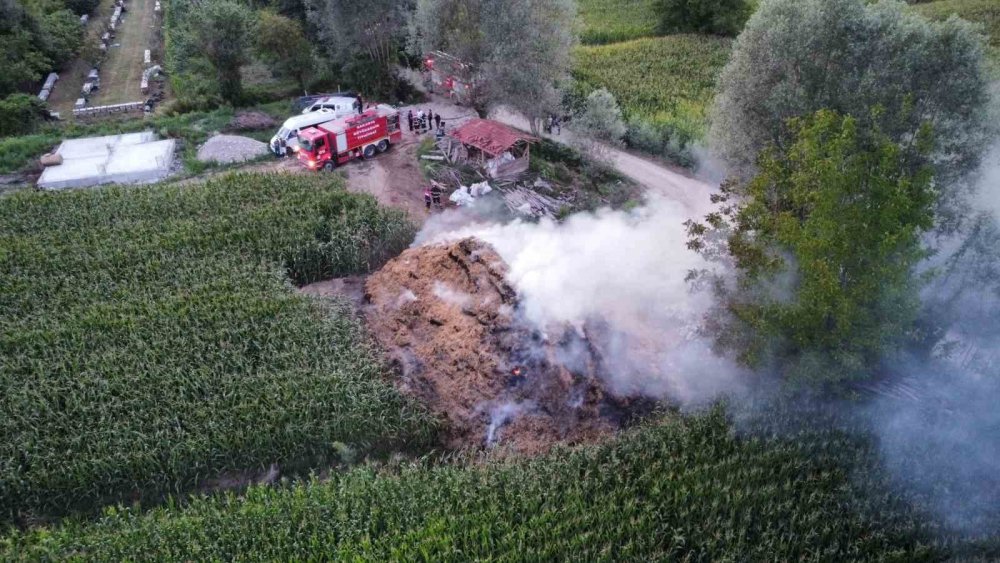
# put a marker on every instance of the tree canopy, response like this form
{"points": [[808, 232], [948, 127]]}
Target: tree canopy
{"points": [[717, 17], [520, 49], [824, 243], [281, 42], [798, 56]]}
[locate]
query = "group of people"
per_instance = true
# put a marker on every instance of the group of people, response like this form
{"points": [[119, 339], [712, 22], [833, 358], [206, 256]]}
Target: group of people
{"points": [[422, 122]]}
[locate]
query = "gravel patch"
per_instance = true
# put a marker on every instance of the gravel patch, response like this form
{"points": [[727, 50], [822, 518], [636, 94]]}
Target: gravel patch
{"points": [[231, 148]]}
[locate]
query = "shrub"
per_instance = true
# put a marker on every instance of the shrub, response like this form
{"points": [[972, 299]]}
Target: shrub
{"points": [[601, 117], [716, 17], [20, 114]]}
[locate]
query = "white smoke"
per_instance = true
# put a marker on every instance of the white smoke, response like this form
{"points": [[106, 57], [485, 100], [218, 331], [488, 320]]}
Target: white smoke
{"points": [[943, 440], [619, 278], [451, 296]]}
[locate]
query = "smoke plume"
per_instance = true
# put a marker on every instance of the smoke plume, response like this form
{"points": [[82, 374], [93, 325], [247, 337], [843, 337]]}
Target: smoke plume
{"points": [[940, 438], [618, 278]]}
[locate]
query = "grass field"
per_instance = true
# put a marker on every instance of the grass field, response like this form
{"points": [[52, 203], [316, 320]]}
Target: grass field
{"points": [[684, 489], [667, 82], [149, 339], [610, 21]]}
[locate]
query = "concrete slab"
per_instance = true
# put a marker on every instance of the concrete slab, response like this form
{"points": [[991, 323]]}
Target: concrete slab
{"points": [[113, 159]]}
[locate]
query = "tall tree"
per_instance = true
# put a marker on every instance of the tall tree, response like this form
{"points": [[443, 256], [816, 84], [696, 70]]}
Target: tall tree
{"points": [[798, 56], [824, 245], [283, 45], [221, 30], [520, 49], [363, 40]]}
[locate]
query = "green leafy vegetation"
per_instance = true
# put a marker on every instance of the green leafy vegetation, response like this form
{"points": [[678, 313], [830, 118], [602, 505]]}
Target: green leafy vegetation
{"points": [[150, 340], [611, 21], [664, 85], [717, 17], [841, 213], [985, 12], [282, 44], [851, 56], [37, 37], [683, 489]]}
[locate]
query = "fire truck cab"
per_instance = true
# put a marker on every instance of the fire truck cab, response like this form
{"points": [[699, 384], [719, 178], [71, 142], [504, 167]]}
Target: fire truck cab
{"points": [[328, 145]]}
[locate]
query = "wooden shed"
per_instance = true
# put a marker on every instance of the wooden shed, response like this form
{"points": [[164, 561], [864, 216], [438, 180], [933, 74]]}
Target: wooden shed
{"points": [[501, 150]]}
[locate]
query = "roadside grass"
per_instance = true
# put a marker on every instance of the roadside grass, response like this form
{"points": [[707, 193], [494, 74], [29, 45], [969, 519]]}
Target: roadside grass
{"points": [[150, 340], [611, 21]]}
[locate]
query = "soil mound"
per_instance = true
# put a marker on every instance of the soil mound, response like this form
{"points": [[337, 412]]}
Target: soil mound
{"points": [[226, 149], [252, 120], [450, 322]]}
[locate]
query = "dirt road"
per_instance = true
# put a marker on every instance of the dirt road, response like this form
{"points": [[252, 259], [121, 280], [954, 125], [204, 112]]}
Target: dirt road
{"points": [[393, 178], [659, 178]]}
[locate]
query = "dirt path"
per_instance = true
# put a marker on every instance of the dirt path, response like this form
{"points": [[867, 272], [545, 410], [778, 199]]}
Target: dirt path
{"points": [[71, 79], [393, 177], [658, 178], [121, 73]]}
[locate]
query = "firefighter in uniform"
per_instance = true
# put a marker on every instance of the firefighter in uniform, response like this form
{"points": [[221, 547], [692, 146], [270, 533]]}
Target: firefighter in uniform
{"points": [[436, 195]]}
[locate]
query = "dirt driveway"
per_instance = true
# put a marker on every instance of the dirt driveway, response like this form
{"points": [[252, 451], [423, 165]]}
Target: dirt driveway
{"points": [[393, 177]]}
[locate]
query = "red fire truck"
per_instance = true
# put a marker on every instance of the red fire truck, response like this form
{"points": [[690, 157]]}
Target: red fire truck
{"points": [[330, 144]]}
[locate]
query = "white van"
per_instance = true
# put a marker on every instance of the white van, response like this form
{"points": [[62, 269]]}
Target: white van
{"points": [[333, 103], [286, 139]]}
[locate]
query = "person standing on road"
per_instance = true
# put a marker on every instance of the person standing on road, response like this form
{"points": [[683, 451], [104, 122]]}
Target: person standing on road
{"points": [[437, 121], [430, 119], [409, 119], [427, 198], [361, 105]]}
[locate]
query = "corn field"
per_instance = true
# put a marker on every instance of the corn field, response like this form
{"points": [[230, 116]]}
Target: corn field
{"points": [[610, 21], [150, 338], [683, 489], [663, 80]]}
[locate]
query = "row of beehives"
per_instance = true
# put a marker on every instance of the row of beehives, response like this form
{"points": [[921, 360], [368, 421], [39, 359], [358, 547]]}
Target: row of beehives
{"points": [[50, 83]]}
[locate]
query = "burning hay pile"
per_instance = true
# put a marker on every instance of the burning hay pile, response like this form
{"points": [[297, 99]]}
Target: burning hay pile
{"points": [[450, 321]]}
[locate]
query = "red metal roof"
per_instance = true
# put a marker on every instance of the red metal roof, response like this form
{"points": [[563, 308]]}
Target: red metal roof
{"points": [[491, 137]]}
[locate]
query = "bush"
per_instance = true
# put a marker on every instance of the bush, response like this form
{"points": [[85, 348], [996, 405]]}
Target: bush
{"points": [[20, 114], [716, 17], [601, 117]]}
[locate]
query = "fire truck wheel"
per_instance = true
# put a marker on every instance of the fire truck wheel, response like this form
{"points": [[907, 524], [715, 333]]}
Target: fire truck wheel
{"points": [[370, 151], [383, 145], [328, 166]]}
